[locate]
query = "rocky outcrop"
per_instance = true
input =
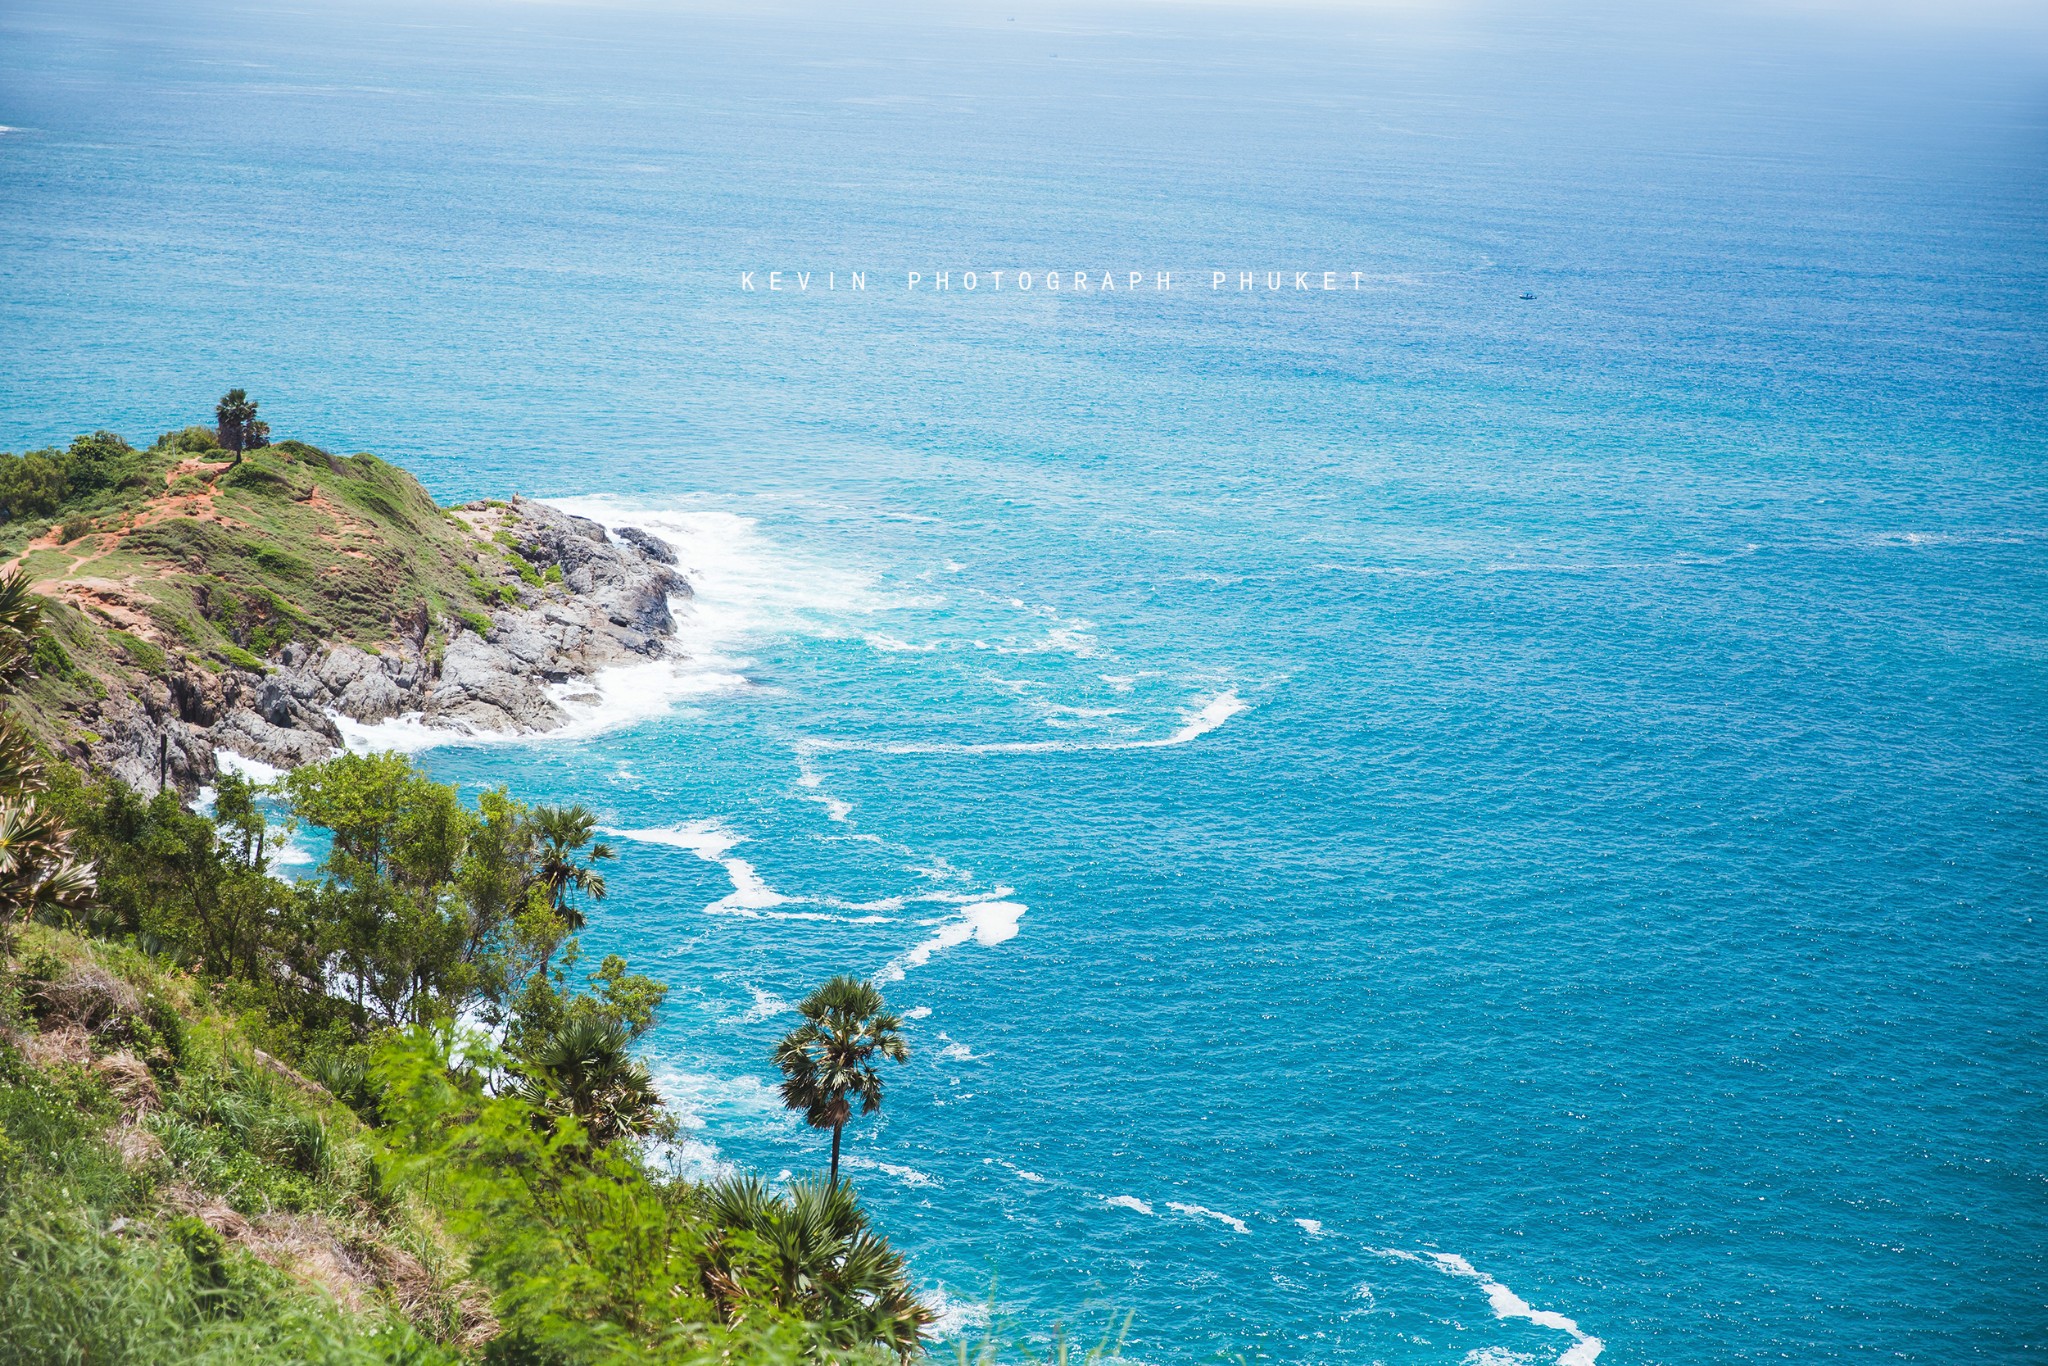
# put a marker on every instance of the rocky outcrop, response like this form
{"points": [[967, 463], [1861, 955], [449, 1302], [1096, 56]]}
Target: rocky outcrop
{"points": [[602, 602]]}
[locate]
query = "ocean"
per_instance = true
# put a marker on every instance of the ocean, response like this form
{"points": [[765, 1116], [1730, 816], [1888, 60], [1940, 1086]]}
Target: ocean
{"points": [[1491, 813]]}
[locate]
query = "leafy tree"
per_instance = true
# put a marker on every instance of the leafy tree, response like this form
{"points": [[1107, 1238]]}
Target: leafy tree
{"points": [[184, 880], [238, 429], [810, 1253], [544, 1004], [99, 462], [510, 928], [564, 831], [390, 903], [830, 1058], [31, 485], [242, 824]]}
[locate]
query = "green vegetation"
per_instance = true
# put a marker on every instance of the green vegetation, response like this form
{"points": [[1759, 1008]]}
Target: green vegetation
{"points": [[37, 870], [215, 548], [239, 429], [256, 1096]]}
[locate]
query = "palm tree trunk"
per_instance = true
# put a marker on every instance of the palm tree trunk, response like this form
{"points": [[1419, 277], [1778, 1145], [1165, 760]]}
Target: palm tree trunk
{"points": [[835, 1152]]}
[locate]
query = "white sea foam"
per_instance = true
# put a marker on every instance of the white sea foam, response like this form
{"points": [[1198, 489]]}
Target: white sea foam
{"points": [[255, 770], [956, 1318], [809, 779], [751, 896], [611, 698], [987, 923], [286, 849], [909, 1176], [1131, 1202], [1506, 1304], [711, 841], [890, 645], [957, 1052], [1212, 714], [1312, 1227], [744, 585], [767, 1005], [917, 1013], [1200, 1212], [694, 1097]]}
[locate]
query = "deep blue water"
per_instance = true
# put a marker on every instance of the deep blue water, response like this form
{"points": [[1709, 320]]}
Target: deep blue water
{"points": [[1552, 783]]}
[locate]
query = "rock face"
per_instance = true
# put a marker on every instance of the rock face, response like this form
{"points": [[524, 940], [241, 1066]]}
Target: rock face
{"points": [[608, 605]]}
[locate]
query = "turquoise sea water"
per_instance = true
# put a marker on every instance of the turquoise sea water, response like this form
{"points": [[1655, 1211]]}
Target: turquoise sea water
{"points": [[1417, 825]]}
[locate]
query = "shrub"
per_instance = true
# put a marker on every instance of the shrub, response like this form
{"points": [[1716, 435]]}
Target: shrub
{"points": [[475, 621], [100, 461], [50, 659], [140, 650], [271, 636], [31, 485], [190, 441]]}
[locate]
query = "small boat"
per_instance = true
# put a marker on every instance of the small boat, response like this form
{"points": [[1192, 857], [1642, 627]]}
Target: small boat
{"points": [[1527, 295]]}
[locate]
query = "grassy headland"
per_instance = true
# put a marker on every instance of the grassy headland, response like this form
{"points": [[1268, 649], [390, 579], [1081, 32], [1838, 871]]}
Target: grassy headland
{"points": [[182, 559]]}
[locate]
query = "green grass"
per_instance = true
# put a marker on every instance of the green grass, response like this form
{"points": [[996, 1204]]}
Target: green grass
{"points": [[151, 658], [98, 1263], [525, 570]]}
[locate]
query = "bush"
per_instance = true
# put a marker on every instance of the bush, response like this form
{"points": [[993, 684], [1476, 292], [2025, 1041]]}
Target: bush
{"points": [[50, 659], [190, 441], [100, 461], [271, 636], [475, 621], [31, 485]]}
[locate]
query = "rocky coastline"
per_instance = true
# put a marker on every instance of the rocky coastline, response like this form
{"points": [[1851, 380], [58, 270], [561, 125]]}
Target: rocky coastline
{"points": [[603, 601]]}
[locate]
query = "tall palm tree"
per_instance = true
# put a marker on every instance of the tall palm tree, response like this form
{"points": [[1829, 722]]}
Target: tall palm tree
{"points": [[584, 1068], [236, 416], [37, 872], [564, 830], [811, 1253], [830, 1058]]}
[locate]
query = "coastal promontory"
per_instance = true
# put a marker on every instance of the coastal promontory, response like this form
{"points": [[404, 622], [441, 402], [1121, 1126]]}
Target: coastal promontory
{"points": [[201, 600]]}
